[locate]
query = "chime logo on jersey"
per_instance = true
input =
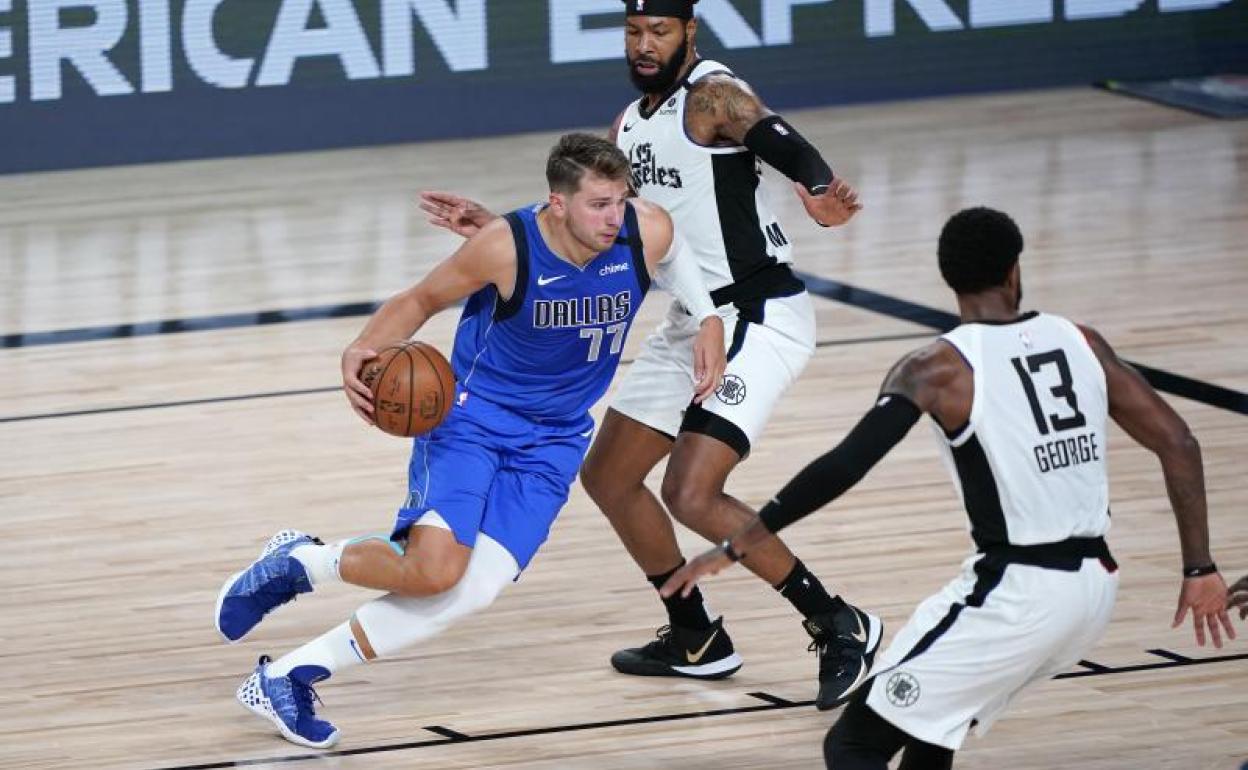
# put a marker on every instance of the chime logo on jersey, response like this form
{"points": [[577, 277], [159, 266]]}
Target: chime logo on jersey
{"points": [[646, 168], [581, 311]]}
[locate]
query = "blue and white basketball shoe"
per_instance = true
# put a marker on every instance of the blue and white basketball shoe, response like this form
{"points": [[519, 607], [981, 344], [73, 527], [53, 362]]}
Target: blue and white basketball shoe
{"points": [[286, 701], [271, 581]]}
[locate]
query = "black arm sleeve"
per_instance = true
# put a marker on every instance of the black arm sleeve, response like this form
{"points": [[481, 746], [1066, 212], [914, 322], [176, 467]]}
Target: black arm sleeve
{"points": [[832, 474], [778, 143]]}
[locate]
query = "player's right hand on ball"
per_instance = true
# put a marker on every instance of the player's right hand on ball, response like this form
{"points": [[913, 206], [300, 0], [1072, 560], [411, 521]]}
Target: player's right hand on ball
{"points": [[359, 394]]}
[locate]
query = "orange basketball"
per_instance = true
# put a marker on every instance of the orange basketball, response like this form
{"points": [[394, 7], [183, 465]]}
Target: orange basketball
{"points": [[412, 386]]}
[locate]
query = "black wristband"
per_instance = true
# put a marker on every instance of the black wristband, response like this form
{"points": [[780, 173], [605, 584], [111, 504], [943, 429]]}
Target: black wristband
{"points": [[729, 551], [1201, 571]]}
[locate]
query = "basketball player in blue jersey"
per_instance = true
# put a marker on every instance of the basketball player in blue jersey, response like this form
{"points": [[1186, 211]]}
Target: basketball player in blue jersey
{"points": [[551, 293], [694, 139], [1019, 405]]}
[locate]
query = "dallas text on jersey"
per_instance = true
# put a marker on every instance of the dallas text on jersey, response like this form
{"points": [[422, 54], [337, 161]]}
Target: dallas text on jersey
{"points": [[581, 311]]}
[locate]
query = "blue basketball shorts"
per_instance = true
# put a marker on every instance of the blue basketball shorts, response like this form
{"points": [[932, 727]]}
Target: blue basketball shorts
{"points": [[487, 469]]}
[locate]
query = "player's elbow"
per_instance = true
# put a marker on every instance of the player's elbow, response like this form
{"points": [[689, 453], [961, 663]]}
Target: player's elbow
{"points": [[1178, 443]]}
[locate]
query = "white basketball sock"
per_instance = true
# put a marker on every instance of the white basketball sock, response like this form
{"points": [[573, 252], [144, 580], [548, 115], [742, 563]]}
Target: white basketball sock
{"points": [[334, 650], [320, 561]]}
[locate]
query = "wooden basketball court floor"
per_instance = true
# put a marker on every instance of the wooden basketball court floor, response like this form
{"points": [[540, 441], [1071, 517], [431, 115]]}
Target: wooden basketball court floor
{"points": [[156, 427]]}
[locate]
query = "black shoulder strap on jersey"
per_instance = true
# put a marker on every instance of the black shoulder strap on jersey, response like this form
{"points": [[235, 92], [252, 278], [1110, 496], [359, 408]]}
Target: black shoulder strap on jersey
{"points": [[505, 309], [633, 240]]}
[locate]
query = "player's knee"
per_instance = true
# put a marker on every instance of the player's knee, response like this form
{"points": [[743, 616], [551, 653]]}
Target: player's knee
{"points": [[604, 485], [688, 504], [431, 577]]}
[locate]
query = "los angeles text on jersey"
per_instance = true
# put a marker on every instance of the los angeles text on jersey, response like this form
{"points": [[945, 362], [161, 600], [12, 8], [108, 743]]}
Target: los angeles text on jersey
{"points": [[581, 311], [1066, 452]]}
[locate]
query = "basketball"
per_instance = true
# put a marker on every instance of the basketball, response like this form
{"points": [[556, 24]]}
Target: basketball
{"points": [[412, 386]]}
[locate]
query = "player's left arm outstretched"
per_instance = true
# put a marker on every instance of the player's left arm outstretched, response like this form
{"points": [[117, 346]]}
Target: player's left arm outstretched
{"points": [[722, 109]]}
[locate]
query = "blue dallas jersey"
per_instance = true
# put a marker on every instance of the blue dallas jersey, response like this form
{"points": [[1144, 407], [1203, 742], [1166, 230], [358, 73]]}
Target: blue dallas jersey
{"points": [[550, 350]]}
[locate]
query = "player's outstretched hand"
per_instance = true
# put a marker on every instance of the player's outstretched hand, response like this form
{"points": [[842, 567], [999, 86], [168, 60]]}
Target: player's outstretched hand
{"points": [[688, 576], [456, 213], [358, 394], [1206, 597], [1238, 597], [709, 359], [834, 206]]}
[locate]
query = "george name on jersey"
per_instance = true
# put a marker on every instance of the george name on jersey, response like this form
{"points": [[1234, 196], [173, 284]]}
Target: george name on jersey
{"points": [[582, 311], [1067, 452]]}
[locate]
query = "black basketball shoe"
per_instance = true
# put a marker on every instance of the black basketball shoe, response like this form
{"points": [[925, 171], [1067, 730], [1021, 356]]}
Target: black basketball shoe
{"points": [[680, 651], [846, 642]]}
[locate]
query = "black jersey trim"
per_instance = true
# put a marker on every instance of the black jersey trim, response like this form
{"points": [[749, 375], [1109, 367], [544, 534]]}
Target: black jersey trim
{"points": [[989, 572], [699, 420], [736, 179], [980, 494], [1030, 314], [633, 239], [748, 312], [506, 308]]}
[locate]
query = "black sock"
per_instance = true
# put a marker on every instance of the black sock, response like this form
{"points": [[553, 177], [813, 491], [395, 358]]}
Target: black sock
{"points": [[806, 593], [684, 611]]}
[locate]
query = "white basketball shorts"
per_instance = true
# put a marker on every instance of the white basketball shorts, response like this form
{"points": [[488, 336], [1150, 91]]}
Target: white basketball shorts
{"points": [[769, 344], [969, 649]]}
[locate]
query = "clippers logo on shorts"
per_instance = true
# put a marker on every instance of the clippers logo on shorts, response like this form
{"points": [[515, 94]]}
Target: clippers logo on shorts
{"points": [[647, 171], [582, 311], [902, 690], [731, 390]]}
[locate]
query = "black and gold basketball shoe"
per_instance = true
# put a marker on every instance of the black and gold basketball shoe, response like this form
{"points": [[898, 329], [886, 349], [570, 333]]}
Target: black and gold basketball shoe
{"points": [[705, 654]]}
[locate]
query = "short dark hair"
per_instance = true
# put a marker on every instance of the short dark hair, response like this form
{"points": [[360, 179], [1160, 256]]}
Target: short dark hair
{"points": [[978, 249], [575, 154]]}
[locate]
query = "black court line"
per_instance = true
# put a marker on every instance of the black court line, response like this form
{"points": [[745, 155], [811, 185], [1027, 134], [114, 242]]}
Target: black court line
{"points": [[866, 299], [181, 325], [576, 727], [331, 388], [1169, 655], [1103, 670], [447, 732], [774, 703], [943, 321], [775, 699], [169, 404]]}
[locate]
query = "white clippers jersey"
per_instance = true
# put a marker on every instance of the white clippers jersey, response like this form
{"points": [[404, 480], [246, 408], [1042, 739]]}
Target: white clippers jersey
{"points": [[1030, 464], [712, 193]]}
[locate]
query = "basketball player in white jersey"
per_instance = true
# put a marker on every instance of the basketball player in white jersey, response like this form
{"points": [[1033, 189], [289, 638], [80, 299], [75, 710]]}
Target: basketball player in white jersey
{"points": [[1020, 405], [695, 138]]}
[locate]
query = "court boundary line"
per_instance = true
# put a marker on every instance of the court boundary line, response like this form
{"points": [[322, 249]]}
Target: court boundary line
{"points": [[331, 388], [837, 291], [772, 703]]}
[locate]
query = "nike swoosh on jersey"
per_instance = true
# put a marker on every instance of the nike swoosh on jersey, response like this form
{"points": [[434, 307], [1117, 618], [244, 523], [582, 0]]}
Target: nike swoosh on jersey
{"points": [[694, 657], [629, 126], [543, 280]]}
